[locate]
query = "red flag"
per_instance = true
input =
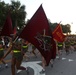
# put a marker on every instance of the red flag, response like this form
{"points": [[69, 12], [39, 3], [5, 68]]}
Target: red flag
{"points": [[58, 34], [54, 51], [14, 30], [7, 28], [37, 32]]}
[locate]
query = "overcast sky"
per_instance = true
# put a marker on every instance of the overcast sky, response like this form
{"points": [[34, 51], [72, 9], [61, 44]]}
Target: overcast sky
{"points": [[56, 10]]}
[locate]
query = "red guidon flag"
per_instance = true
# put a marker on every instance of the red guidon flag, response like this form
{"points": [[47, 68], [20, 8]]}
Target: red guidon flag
{"points": [[38, 33], [58, 34], [15, 30], [7, 28]]}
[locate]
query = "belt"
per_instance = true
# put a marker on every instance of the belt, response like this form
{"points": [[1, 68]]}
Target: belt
{"points": [[24, 46], [16, 51], [1, 49]]}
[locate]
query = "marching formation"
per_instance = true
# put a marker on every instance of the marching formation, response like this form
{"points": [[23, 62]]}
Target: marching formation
{"points": [[38, 34], [19, 49]]}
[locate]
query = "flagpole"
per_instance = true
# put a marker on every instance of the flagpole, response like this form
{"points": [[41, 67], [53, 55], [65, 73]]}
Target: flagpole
{"points": [[60, 22], [15, 39]]}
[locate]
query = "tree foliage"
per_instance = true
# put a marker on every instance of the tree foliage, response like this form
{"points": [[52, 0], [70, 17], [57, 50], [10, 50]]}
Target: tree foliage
{"points": [[3, 12], [18, 15], [17, 11], [65, 28]]}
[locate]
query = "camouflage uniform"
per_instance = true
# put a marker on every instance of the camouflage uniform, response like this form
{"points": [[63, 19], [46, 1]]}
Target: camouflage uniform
{"points": [[16, 52], [67, 46], [24, 47], [1, 51], [60, 46]]}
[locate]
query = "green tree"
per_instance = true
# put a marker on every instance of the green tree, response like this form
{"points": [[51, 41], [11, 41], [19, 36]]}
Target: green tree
{"points": [[52, 26], [3, 13], [18, 14], [65, 28], [17, 11]]}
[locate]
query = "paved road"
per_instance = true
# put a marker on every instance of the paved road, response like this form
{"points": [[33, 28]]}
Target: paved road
{"points": [[66, 65]]}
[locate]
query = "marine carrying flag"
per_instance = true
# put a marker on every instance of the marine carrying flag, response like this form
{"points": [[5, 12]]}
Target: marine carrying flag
{"points": [[58, 34], [38, 33], [7, 28]]}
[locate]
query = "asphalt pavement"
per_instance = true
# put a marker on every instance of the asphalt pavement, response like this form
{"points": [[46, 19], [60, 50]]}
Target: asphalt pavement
{"points": [[66, 65]]}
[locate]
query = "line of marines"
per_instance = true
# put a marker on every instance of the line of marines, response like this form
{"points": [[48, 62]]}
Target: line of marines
{"points": [[19, 48]]}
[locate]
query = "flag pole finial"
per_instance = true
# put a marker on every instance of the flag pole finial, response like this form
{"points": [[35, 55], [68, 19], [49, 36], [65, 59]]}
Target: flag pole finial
{"points": [[60, 22]]}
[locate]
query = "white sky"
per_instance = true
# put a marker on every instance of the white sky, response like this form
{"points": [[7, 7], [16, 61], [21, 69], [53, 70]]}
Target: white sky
{"points": [[56, 10]]}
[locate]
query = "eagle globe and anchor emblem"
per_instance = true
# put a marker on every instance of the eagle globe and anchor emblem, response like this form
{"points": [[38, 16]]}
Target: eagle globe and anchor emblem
{"points": [[45, 44], [44, 41]]}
